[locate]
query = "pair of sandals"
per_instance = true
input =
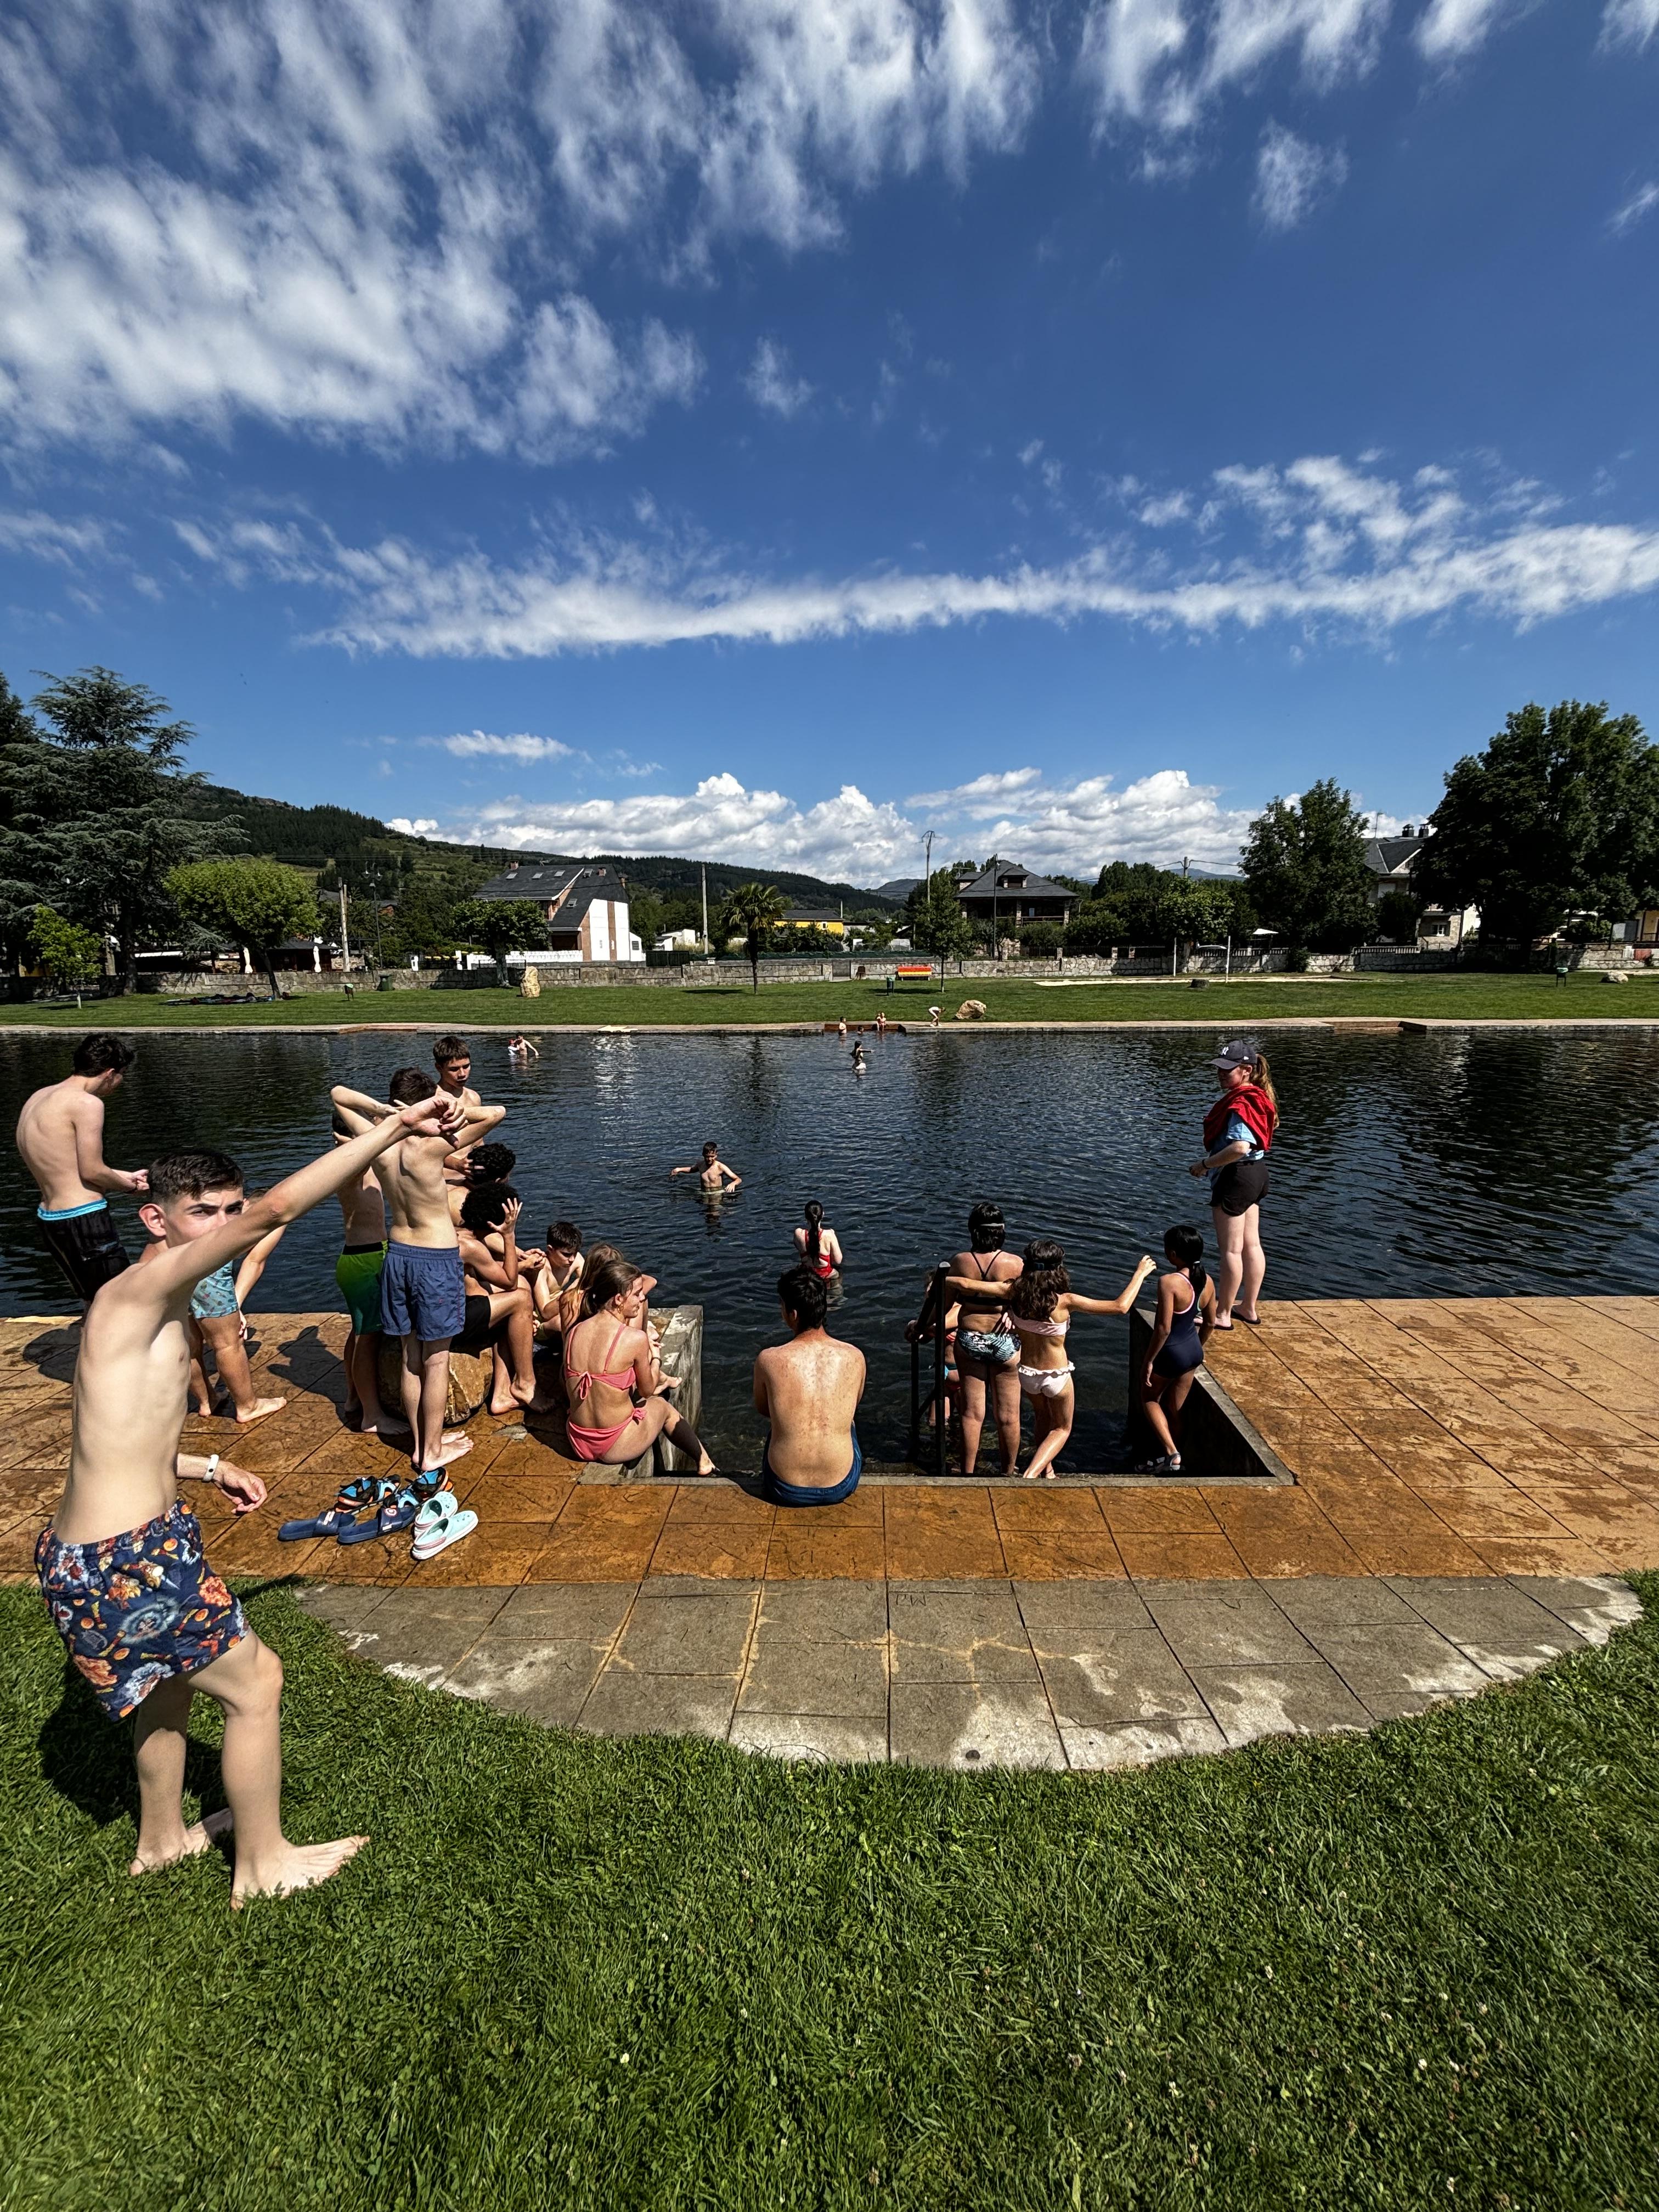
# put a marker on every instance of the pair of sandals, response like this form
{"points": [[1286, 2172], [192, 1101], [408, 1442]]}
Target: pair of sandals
{"points": [[371, 1506]]}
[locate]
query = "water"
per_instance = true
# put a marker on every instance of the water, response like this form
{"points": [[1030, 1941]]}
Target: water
{"points": [[1459, 1163]]}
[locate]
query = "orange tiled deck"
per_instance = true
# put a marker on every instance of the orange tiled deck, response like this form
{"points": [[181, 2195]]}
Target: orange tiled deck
{"points": [[1428, 1437]]}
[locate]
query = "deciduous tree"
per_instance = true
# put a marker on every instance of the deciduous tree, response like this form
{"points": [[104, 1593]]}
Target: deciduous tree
{"points": [[503, 926], [258, 903], [1304, 865]]}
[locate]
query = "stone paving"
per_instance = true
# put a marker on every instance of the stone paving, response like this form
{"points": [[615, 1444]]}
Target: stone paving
{"points": [[1080, 1673]]}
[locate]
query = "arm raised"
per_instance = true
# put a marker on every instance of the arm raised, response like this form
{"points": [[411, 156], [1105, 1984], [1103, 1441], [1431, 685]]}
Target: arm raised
{"points": [[1075, 1301]]}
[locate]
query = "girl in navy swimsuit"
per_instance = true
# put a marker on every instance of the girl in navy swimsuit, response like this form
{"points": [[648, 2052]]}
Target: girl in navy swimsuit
{"points": [[1186, 1314]]}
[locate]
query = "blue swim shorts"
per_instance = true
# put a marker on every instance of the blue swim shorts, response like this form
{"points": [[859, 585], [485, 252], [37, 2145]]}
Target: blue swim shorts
{"points": [[793, 1493], [214, 1296], [423, 1291], [138, 1609]]}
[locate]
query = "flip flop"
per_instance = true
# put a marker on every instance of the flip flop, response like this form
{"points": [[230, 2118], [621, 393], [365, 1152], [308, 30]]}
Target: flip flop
{"points": [[396, 1514], [434, 1511], [369, 1490], [1250, 1320], [445, 1532]]}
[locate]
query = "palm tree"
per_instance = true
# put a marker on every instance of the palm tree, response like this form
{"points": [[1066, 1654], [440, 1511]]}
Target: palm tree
{"points": [[752, 908]]}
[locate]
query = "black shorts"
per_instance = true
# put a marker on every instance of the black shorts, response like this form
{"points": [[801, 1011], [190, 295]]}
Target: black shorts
{"points": [[477, 1334], [1241, 1185], [88, 1247]]}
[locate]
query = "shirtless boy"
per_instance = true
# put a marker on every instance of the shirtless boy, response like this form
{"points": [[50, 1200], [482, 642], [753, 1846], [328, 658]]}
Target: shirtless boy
{"points": [[500, 1301], [146, 1621], [453, 1062], [216, 1325], [423, 1288], [809, 1390], [60, 1135], [357, 1272], [713, 1175], [472, 1162]]}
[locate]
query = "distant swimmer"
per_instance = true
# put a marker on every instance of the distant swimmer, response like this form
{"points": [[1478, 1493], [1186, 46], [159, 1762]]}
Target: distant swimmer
{"points": [[842, 1026], [521, 1049], [60, 1135], [713, 1175], [881, 1023], [860, 1063]]}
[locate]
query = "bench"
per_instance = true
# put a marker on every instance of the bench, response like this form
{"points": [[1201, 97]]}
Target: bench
{"points": [[911, 971]]}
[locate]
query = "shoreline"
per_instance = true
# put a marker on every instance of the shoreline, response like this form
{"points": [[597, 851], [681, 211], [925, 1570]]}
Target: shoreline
{"points": [[1374, 1024]]}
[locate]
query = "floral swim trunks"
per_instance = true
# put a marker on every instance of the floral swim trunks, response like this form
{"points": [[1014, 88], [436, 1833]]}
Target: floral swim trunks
{"points": [[134, 1610]]}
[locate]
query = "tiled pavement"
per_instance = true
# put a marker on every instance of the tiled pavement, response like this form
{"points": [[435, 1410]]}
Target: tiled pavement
{"points": [[1060, 1674]]}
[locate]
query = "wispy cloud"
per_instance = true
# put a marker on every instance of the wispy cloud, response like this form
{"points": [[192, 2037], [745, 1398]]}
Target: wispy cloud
{"points": [[1321, 543], [1449, 29], [1163, 64], [1641, 201], [772, 383], [479, 745], [1293, 177], [1630, 22]]}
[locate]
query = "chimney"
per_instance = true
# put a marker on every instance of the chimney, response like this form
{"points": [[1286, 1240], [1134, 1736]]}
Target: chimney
{"points": [[512, 867]]}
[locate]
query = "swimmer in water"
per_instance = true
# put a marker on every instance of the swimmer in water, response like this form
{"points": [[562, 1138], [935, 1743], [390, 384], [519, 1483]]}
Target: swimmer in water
{"points": [[818, 1246], [860, 1063], [519, 1049], [713, 1175]]}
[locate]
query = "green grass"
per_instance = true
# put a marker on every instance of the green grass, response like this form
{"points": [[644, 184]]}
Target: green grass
{"points": [[1445, 998], [1411, 1968]]}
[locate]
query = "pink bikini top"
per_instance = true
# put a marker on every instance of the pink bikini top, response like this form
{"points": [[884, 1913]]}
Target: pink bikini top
{"points": [[618, 1378]]}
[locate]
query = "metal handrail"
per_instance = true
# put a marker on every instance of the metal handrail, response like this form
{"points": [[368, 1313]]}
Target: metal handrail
{"points": [[934, 1307]]}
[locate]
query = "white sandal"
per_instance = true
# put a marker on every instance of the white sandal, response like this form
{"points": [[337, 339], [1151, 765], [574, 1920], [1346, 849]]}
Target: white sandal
{"points": [[443, 1534]]}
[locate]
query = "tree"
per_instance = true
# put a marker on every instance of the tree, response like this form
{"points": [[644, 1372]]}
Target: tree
{"points": [[1041, 940], [72, 957], [503, 926], [1397, 916], [937, 923], [94, 813], [1557, 817], [1304, 865], [748, 911], [257, 903]]}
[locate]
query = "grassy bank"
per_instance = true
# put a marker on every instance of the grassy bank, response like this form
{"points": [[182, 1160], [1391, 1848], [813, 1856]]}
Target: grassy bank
{"points": [[1411, 1968], [1439, 998]]}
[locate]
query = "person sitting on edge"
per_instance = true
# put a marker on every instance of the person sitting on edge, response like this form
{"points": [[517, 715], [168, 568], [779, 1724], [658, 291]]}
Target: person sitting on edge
{"points": [[147, 1622], [713, 1175], [475, 1163], [612, 1379], [881, 1023], [808, 1392], [357, 1272], [423, 1286], [1040, 1304], [1186, 1314], [60, 1135], [563, 1274], [216, 1325], [500, 1304], [453, 1062]]}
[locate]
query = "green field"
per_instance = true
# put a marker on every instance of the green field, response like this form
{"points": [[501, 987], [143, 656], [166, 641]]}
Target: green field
{"points": [[1439, 998], [1417, 1967]]}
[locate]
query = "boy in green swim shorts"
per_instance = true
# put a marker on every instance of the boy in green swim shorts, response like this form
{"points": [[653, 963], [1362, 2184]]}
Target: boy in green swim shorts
{"points": [[357, 1272]]}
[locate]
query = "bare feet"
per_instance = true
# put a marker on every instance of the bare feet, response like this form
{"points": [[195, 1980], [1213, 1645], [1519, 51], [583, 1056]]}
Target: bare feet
{"points": [[193, 1841], [451, 1447], [706, 1466], [514, 1404], [389, 1424], [260, 1410], [297, 1865]]}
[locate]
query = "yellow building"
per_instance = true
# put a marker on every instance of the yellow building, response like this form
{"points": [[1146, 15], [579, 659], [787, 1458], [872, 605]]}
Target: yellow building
{"points": [[800, 917]]}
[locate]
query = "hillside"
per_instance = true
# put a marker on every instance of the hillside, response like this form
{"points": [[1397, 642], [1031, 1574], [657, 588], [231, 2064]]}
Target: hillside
{"points": [[335, 841]]}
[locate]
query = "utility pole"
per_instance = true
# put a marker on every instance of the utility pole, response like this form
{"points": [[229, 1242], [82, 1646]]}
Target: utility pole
{"points": [[1185, 863], [707, 947], [345, 936]]}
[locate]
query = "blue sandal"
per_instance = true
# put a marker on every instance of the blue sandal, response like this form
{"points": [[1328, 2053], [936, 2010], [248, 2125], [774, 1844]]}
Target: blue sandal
{"points": [[398, 1509], [367, 1490]]}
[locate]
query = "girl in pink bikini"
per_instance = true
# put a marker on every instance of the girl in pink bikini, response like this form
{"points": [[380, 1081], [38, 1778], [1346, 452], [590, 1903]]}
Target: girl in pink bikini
{"points": [[614, 1388]]}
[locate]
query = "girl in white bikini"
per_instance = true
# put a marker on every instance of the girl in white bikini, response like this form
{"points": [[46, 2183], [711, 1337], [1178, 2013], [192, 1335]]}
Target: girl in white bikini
{"points": [[1041, 1304]]}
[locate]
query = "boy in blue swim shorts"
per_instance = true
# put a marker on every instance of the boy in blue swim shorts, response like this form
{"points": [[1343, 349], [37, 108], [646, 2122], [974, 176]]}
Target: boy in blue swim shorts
{"points": [[147, 1623]]}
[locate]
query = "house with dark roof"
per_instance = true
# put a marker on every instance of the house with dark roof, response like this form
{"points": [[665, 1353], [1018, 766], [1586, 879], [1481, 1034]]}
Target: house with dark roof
{"points": [[586, 905], [1005, 893], [1392, 861]]}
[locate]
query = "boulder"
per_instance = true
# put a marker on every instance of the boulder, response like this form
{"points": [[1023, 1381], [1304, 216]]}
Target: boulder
{"points": [[971, 1010], [469, 1382], [1610, 977], [530, 985]]}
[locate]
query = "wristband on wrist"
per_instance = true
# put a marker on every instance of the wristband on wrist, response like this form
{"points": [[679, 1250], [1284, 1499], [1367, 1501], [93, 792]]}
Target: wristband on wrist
{"points": [[211, 1473]]}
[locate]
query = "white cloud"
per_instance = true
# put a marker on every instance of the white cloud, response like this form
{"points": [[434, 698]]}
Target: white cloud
{"points": [[1641, 202], [1447, 29], [476, 744], [422, 828], [1161, 63], [986, 795], [1292, 177], [52, 538], [1630, 22], [771, 381]]}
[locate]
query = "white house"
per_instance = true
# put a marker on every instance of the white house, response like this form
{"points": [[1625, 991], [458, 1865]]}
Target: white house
{"points": [[1392, 861], [586, 905]]}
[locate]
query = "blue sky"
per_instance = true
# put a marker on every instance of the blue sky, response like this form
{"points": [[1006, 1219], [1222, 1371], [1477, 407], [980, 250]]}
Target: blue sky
{"points": [[774, 432]]}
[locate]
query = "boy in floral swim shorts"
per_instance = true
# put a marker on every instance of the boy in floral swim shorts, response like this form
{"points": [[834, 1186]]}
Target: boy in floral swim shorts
{"points": [[145, 1619]]}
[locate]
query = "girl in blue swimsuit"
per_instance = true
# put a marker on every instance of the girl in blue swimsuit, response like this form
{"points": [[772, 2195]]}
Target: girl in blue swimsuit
{"points": [[1186, 1314]]}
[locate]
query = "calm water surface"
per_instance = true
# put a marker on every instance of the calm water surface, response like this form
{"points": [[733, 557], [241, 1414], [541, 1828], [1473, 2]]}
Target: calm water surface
{"points": [[1461, 1164]]}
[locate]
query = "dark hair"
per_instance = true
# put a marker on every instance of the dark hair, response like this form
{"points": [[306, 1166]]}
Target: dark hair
{"points": [[609, 1282], [485, 1206], [449, 1047], [491, 1163], [187, 1174], [710, 1147], [410, 1085], [804, 1296], [1185, 1247], [1044, 1281], [564, 1237], [986, 1231], [102, 1055], [814, 1225]]}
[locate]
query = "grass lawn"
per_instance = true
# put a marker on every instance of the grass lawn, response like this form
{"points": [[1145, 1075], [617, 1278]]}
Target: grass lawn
{"points": [[1411, 1968], [1443, 998]]}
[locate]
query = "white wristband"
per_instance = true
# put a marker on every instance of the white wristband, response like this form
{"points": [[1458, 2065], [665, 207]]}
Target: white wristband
{"points": [[212, 1469]]}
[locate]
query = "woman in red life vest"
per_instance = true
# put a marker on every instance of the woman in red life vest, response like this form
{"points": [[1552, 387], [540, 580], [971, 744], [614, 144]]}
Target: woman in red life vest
{"points": [[1238, 1135]]}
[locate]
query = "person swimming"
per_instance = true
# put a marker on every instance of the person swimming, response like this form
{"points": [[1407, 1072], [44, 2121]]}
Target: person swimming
{"points": [[819, 1247], [714, 1176], [860, 1063]]}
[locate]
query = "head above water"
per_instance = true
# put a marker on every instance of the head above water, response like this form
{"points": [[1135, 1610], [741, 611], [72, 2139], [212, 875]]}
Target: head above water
{"points": [[986, 1228], [408, 1086], [804, 1299], [106, 1060], [1044, 1281], [484, 1207], [814, 1227], [191, 1192], [710, 1153]]}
